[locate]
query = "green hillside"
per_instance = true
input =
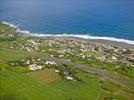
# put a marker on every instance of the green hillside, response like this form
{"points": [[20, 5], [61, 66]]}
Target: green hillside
{"points": [[48, 68]]}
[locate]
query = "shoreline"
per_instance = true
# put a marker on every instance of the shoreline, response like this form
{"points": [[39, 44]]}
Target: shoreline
{"points": [[105, 42], [123, 43], [115, 43]]}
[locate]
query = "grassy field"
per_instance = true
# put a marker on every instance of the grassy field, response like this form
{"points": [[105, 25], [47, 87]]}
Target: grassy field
{"points": [[48, 85], [110, 91], [16, 86], [45, 76]]}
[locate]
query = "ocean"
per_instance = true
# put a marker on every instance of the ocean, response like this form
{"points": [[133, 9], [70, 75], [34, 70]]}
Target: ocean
{"points": [[95, 19]]}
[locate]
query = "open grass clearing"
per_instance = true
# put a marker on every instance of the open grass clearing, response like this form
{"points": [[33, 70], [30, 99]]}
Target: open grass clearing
{"points": [[45, 76]]}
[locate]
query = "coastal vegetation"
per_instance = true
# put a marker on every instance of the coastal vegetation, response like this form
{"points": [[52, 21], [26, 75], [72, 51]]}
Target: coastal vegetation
{"points": [[63, 68]]}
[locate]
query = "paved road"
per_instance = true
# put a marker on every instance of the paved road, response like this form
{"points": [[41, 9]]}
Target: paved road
{"points": [[102, 73]]}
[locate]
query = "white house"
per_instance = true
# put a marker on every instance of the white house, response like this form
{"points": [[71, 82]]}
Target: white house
{"points": [[35, 67], [69, 78]]}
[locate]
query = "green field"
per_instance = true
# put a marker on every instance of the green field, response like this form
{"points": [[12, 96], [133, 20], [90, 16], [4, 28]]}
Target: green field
{"points": [[16, 86]]}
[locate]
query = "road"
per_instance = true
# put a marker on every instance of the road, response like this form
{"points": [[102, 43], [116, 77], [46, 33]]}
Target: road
{"points": [[107, 75]]}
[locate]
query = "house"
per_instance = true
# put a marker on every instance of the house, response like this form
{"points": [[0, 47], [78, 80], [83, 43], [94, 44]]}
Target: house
{"points": [[56, 71], [50, 62], [69, 78], [35, 67]]}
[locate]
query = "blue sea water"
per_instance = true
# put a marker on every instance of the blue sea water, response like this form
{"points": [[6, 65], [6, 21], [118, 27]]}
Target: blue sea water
{"points": [[105, 18]]}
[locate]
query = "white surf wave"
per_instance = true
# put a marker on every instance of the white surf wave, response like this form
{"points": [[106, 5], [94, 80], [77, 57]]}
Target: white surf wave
{"points": [[22, 31], [18, 30], [86, 37], [11, 25]]}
